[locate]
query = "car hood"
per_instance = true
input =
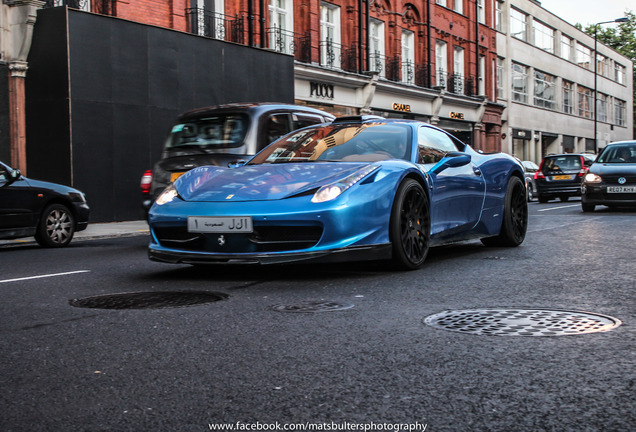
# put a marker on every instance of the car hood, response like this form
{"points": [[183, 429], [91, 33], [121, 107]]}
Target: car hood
{"points": [[613, 169], [59, 188], [259, 182]]}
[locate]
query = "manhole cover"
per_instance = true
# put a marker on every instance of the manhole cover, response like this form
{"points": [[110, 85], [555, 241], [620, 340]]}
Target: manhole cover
{"points": [[521, 322], [148, 300], [312, 306]]}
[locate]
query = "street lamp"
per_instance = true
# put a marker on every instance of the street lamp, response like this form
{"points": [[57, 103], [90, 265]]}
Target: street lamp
{"points": [[595, 65]]}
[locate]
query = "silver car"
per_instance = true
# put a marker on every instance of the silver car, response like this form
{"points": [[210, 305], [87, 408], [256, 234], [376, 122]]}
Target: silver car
{"points": [[222, 135]]}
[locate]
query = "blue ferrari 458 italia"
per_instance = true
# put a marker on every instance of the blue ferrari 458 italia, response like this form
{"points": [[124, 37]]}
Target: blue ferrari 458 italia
{"points": [[359, 188]]}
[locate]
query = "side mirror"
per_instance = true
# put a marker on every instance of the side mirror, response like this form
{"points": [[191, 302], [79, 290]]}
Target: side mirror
{"points": [[15, 174], [236, 163], [452, 160]]}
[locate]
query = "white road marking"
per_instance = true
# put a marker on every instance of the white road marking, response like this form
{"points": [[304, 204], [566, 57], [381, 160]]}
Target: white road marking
{"points": [[44, 276], [560, 207]]}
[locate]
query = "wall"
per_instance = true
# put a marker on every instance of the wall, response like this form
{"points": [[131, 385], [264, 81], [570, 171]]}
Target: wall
{"points": [[5, 136], [100, 102]]}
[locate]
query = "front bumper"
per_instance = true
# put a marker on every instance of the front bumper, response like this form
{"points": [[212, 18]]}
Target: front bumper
{"points": [[597, 195], [353, 253]]}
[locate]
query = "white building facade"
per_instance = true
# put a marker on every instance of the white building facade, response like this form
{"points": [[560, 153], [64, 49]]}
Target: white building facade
{"points": [[546, 80]]}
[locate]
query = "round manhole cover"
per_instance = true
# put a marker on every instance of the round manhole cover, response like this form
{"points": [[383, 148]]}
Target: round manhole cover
{"points": [[312, 306], [148, 300], [521, 322]]}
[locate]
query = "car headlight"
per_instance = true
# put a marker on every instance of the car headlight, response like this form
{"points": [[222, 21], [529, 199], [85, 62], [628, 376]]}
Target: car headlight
{"points": [[592, 178], [335, 189], [168, 194]]}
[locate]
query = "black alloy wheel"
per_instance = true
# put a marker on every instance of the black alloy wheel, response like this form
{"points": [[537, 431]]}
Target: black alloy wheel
{"points": [[56, 227], [409, 229], [515, 217]]}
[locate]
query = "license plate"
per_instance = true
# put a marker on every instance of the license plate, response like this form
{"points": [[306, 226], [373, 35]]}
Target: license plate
{"points": [[213, 224], [621, 189], [561, 177], [175, 176]]}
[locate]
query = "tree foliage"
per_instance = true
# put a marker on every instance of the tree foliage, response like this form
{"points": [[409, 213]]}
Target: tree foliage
{"points": [[622, 39]]}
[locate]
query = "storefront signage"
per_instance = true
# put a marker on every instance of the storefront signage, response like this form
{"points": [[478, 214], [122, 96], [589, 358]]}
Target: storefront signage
{"points": [[457, 115], [401, 107], [320, 90]]}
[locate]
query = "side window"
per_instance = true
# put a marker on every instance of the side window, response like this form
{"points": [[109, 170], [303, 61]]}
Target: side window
{"points": [[276, 126], [4, 175], [301, 120], [433, 145]]}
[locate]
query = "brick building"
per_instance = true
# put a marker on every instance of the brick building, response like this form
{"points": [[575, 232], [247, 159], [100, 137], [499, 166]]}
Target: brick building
{"points": [[432, 60]]}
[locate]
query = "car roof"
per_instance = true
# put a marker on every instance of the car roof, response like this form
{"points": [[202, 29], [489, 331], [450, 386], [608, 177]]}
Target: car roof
{"points": [[252, 108], [620, 143]]}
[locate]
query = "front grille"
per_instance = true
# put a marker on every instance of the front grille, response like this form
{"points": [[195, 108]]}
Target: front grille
{"points": [[264, 239], [613, 179]]}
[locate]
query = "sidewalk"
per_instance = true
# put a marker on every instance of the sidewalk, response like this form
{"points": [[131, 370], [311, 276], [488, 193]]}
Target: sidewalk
{"points": [[95, 231]]}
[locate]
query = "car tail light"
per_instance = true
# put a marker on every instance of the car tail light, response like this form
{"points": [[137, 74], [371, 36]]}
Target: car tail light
{"points": [[146, 182], [539, 175]]}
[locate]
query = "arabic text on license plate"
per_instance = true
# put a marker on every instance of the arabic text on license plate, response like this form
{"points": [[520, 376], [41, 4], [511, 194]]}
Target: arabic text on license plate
{"points": [[175, 176], [621, 189], [213, 224], [562, 177]]}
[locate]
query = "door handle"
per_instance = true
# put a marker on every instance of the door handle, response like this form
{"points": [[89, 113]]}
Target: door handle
{"points": [[477, 171]]}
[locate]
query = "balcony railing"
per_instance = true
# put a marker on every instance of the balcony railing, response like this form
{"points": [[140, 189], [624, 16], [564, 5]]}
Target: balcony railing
{"points": [[407, 72], [104, 7], [337, 56], [215, 25], [459, 84], [288, 42]]}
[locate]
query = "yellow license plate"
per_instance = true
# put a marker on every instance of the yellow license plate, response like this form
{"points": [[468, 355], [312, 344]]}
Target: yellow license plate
{"points": [[175, 176], [562, 177]]}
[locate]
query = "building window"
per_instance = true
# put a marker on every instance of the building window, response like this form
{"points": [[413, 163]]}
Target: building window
{"points": [[441, 61], [458, 70], [518, 24], [519, 83], [583, 56], [568, 97], [441, 2], [543, 90], [376, 41], [281, 25], [601, 103], [619, 73], [408, 56], [566, 47], [602, 65], [482, 76], [619, 112], [499, 15], [585, 102], [481, 11], [500, 78], [543, 36], [330, 35], [458, 6]]}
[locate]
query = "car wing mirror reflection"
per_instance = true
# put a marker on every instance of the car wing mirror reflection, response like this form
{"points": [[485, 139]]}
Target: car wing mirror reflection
{"points": [[236, 163], [452, 160]]}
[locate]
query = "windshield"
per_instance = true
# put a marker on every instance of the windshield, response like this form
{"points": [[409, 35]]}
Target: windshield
{"points": [[340, 142], [623, 153], [219, 131]]}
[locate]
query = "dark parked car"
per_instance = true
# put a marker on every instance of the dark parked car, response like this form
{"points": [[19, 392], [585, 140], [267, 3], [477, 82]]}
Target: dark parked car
{"points": [[560, 176], [220, 135], [529, 168], [611, 180], [49, 211]]}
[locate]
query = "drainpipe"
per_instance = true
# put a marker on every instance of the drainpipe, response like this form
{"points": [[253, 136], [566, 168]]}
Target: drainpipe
{"points": [[477, 46], [261, 6], [360, 45], [250, 22], [428, 48]]}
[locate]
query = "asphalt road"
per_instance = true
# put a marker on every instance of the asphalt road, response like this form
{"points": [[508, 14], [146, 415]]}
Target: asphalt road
{"points": [[240, 362]]}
